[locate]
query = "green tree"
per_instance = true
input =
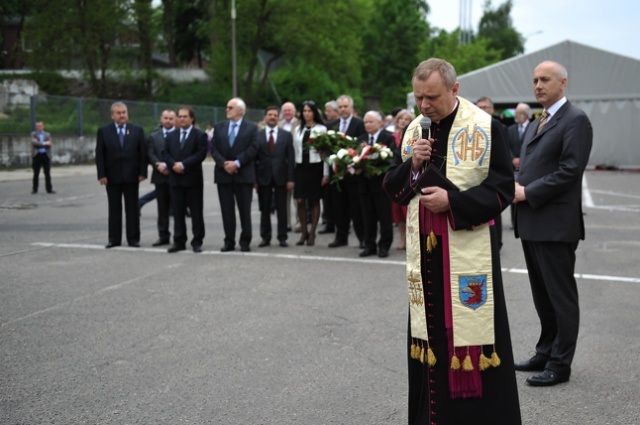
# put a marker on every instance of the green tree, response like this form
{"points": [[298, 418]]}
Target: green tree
{"points": [[392, 48], [324, 35], [192, 25], [496, 26], [466, 57], [143, 12], [17, 11]]}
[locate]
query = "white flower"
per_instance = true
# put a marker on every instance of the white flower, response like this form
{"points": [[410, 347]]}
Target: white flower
{"points": [[341, 153], [374, 155], [384, 154], [349, 137], [331, 132], [356, 159], [332, 159]]}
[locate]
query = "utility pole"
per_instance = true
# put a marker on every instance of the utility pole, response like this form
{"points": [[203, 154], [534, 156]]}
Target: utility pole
{"points": [[234, 70]]}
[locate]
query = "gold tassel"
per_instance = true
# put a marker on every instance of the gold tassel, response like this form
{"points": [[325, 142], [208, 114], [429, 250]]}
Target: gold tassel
{"points": [[495, 360], [467, 365], [431, 358], [484, 362], [413, 351], [422, 355], [455, 362], [433, 239], [429, 245]]}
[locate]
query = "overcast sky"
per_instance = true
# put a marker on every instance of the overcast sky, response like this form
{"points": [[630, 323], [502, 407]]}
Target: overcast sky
{"points": [[611, 25]]}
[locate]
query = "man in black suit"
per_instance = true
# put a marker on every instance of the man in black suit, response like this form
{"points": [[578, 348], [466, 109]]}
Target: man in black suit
{"points": [[160, 175], [549, 220], [345, 198], [234, 150], [274, 171], [121, 160], [376, 205], [516, 135], [184, 151]]}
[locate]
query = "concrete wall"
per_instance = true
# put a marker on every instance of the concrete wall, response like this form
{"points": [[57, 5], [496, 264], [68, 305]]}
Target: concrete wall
{"points": [[15, 151]]}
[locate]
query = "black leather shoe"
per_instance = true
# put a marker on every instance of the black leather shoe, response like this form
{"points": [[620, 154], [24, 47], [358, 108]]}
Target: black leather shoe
{"points": [[534, 364], [368, 252], [197, 249], [245, 248], [327, 229], [336, 243], [160, 242], [227, 248], [284, 244], [51, 192], [111, 245], [383, 253], [34, 192], [263, 244], [546, 378], [362, 245], [134, 244], [175, 248]]}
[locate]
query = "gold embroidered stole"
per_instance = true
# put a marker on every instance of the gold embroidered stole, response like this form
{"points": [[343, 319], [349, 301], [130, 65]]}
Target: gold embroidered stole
{"points": [[471, 280]]}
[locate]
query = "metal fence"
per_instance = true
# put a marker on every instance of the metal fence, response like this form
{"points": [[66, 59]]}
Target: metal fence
{"points": [[68, 116]]}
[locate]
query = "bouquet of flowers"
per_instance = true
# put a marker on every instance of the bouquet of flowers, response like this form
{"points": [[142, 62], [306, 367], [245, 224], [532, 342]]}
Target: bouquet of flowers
{"points": [[330, 142], [375, 159], [343, 162]]}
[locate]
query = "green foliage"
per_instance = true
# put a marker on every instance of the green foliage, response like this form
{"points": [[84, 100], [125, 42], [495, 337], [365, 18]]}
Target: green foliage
{"points": [[392, 39], [465, 58], [496, 26]]}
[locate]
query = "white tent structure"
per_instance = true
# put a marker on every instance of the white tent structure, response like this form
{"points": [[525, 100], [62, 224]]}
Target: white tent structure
{"points": [[603, 84]]}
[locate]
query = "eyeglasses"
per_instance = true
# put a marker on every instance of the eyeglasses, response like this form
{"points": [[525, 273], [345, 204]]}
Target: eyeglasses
{"points": [[229, 108], [309, 102]]}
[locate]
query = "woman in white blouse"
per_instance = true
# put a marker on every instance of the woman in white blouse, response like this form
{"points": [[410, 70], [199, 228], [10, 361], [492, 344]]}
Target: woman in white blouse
{"points": [[311, 172]]}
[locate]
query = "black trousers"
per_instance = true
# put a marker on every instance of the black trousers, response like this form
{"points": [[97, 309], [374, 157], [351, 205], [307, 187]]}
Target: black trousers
{"points": [[346, 208], [43, 161], [115, 193], [551, 267], [229, 194], [264, 198], [376, 209], [193, 198], [163, 200]]}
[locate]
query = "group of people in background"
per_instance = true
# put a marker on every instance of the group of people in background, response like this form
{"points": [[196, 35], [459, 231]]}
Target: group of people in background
{"points": [[269, 157]]}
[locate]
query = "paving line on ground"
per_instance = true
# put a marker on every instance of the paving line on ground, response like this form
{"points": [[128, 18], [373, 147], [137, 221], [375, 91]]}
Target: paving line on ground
{"points": [[582, 276]]}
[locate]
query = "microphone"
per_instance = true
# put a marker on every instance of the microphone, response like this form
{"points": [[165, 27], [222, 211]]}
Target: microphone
{"points": [[425, 123]]}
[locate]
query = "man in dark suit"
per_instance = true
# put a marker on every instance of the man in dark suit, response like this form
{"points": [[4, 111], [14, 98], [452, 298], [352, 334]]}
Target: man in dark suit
{"points": [[345, 198], [274, 171], [376, 205], [184, 151], [121, 160], [516, 135], [234, 150], [160, 175], [41, 157], [549, 220]]}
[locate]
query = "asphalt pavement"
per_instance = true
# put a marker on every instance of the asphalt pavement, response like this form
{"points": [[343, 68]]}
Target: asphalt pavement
{"points": [[297, 335]]}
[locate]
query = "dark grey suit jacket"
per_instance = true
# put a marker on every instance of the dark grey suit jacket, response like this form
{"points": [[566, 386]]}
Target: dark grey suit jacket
{"points": [[552, 163], [244, 150], [155, 152], [121, 164], [192, 152], [35, 143], [281, 164]]}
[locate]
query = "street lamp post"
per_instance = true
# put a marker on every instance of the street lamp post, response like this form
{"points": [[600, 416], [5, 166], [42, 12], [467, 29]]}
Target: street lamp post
{"points": [[233, 49]]}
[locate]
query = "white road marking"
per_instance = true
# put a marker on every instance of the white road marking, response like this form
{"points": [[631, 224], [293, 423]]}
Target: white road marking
{"points": [[297, 257]]}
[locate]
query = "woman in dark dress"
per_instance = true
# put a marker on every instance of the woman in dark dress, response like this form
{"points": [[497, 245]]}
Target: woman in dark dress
{"points": [[311, 172]]}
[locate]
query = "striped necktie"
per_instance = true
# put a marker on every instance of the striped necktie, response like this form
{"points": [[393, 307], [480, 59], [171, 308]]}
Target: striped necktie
{"points": [[543, 121]]}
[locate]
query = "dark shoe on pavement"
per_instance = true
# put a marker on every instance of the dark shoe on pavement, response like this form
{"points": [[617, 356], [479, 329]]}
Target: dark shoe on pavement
{"points": [[134, 244], [263, 243], [336, 243], [534, 364], [51, 192], [383, 253], [111, 245], [160, 242], [227, 248], [547, 378], [33, 192], [175, 248], [284, 244], [245, 248], [368, 252], [197, 249]]}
